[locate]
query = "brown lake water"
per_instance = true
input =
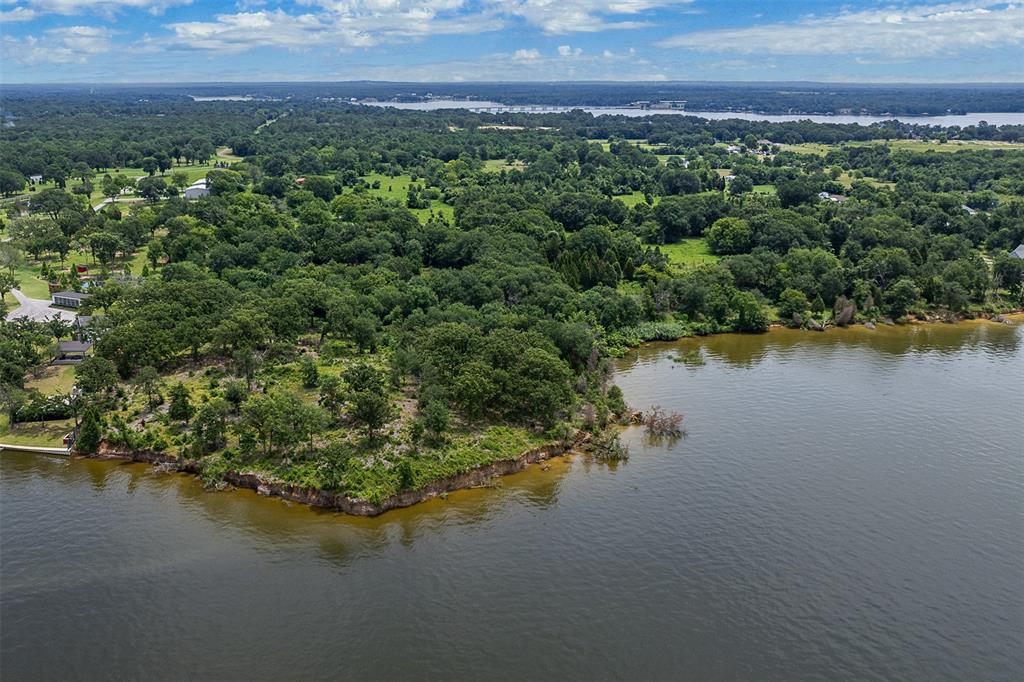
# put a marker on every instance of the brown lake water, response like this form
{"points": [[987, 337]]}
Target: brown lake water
{"points": [[845, 506]]}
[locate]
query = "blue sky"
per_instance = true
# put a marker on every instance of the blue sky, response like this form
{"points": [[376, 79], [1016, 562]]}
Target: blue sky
{"points": [[466, 40]]}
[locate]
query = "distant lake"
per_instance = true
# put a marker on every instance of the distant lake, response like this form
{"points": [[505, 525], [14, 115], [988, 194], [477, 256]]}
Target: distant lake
{"points": [[846, 505], [994, 118]]}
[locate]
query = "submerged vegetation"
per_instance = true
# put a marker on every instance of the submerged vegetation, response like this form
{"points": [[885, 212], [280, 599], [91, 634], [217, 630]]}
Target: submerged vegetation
{"points": [[368, 300]]}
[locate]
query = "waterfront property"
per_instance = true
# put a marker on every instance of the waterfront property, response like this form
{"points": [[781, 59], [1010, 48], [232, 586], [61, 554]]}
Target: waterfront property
{"points": [[69, 299]]}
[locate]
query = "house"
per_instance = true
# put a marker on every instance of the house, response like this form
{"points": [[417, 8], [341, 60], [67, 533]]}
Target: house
{"points": [[733, 149], [35, 179], [71, 351], [69, 299], [1018, 252], [837, 198], [967, 209], [199, 188], [729, 178]]}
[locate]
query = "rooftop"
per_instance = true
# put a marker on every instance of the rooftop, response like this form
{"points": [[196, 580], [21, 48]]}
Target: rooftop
{"points": [[73, 346], [72, 294]]}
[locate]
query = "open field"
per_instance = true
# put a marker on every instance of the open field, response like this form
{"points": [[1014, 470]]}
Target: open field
{"points": [[498, 165], [633, 198], [765, 189], [397, 189], [689, 252], [909, 145]]}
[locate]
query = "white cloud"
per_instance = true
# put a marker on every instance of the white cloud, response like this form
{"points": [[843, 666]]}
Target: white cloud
{"points": [[581, 16], [568, 51], [526, 55], [59, 45], [18, 14], [105, 7], [625, 66], [357, 23], [908, 31]]}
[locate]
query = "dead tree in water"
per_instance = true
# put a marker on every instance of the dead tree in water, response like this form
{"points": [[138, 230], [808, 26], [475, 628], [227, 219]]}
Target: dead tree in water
{"points": [[662, 423]]}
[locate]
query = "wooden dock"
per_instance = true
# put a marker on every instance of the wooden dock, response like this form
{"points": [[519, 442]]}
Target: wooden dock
{"points": [[35, 448]]}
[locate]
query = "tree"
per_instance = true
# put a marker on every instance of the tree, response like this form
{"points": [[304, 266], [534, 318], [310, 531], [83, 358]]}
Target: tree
{"points": [[901, 296], [750, 316], [148, 379], [435, 419], [792, 303], [150, 165], [209, 429], [181, 406], [7, 282], [729, 236], [104, 246], [151, 189], [90, 433], [372, 409], [11, 182], [310, 372], [96, 374], [474, 389]]}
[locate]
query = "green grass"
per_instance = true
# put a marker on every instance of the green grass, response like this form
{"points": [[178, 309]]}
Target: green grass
{"points": [[397, 189], [689, 252], [633, 198], [53, 380], [765, 189], [41, 434], [807, 148], [30, 283], [498, 165]]}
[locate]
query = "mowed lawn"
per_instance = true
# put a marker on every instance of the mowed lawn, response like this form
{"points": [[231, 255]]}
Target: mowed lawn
{"points": [[42, 434], [51, 381], [689, 252]]}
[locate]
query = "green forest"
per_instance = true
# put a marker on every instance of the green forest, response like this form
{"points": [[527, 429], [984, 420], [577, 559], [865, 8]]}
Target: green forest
{"points": [[366, 300]]}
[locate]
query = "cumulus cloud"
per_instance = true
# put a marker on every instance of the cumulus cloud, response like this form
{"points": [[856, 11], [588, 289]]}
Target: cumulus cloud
{"points": [[906, 31], [58, 45], [526, 55]]}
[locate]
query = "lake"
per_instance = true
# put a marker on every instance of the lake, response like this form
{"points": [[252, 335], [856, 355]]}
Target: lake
{"points": [[845, 505], [994, 118]]}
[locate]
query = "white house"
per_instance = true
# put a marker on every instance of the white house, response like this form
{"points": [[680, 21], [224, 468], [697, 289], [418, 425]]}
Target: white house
{"points": [[1018, 252], [199, 188], [35, 179]]}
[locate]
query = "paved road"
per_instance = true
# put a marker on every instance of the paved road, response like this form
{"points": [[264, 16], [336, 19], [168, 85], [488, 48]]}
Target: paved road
{"points": [[37, 309]]}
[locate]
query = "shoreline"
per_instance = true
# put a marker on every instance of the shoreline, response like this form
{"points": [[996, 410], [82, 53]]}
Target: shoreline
{"points": [[475, 477]]}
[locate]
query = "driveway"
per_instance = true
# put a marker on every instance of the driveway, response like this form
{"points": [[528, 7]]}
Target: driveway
{"points": [[36, 309]]}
